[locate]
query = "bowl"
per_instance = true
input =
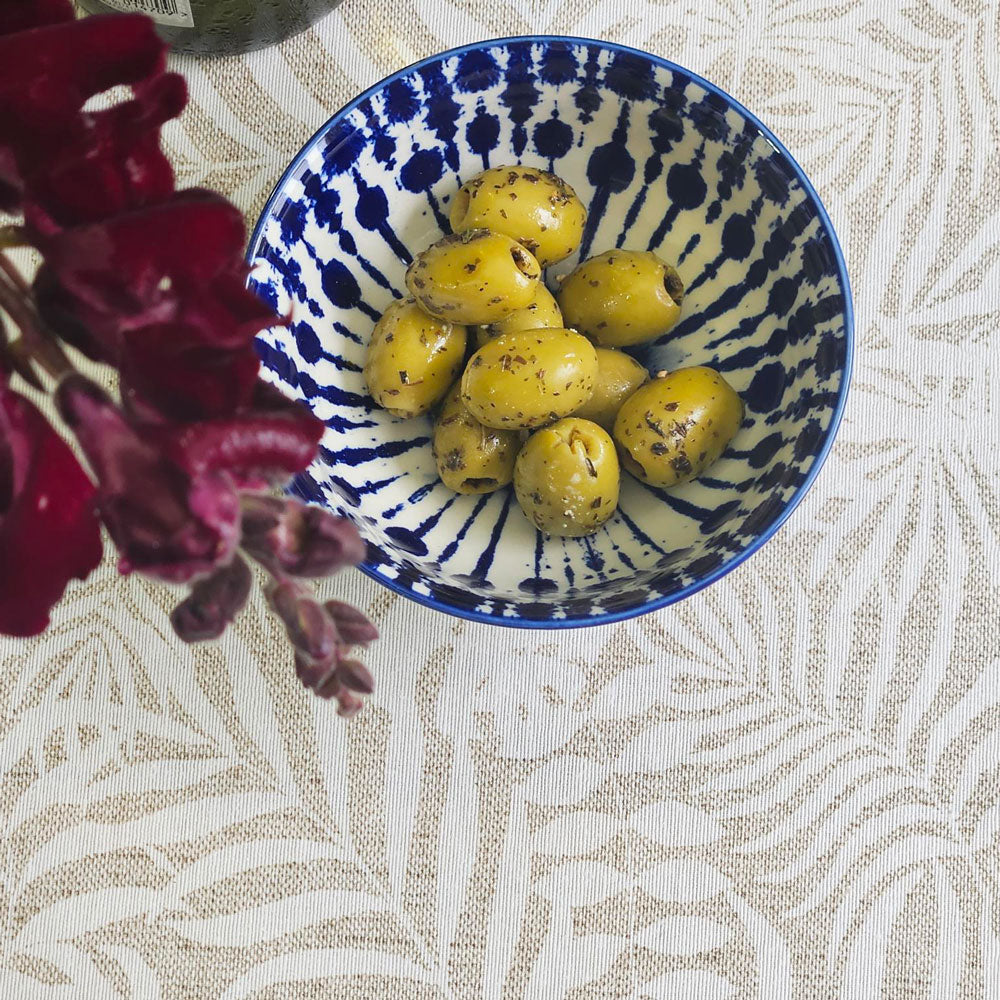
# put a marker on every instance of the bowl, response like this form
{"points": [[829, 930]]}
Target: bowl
{"points": [[664, 161]]}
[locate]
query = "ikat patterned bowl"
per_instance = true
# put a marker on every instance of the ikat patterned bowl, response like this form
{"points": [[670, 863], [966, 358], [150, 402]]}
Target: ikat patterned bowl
{"points": [[664, 161]]}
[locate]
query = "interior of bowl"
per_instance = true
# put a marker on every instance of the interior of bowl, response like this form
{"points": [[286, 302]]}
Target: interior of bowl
{"points": [[664, 162]]}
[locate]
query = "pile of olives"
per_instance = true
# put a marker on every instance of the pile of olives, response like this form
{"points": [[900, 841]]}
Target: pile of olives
{"points": [[548, 399]]}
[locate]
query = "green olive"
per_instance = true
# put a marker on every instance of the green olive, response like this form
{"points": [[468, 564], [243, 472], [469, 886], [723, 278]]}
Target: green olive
{"points": [[541, 313], [536, 208], [622, 297], [566, 478], [473, 277], [531, 378], [672, 429], [471, 458], [412, 359], [618, 376]]}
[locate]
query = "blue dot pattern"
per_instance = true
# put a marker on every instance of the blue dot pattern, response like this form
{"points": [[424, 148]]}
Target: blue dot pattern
{"points": [[664, 162]]}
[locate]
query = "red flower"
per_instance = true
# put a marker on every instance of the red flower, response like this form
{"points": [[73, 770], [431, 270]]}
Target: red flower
{"points": [[164, 377], [111, 278], [20, 15], [49, 532], [68, 165], [152, 282], [164, 522], [268, 442], [173, 313]]}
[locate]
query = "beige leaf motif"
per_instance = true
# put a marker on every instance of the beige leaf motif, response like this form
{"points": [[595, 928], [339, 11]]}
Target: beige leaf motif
{"points": [[784, 786]]}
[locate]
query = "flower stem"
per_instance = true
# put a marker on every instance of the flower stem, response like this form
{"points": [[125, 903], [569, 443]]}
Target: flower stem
{"points": [[13, 274], [13, 236], [35, 343]]}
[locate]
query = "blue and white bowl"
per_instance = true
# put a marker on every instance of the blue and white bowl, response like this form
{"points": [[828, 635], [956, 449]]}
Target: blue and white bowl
{"points": [[664, 161]]}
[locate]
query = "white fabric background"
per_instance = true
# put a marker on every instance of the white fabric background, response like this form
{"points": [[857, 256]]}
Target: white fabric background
{"points": [[786, 786]]}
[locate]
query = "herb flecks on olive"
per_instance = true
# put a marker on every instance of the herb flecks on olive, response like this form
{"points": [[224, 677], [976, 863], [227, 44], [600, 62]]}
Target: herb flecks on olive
{"points": [[538, 404], [527, 379], [541, 313], [473, 277], [618, 376], [471, 458], [673, 428], [536, 208], [412, 359], [566, 478], [622, 298]]}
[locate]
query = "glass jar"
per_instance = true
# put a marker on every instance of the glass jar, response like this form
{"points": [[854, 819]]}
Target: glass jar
{"points": [[220, 27]]}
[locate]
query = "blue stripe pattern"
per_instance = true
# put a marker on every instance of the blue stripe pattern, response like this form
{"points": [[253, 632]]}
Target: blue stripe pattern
{"points": [[665, 161]]}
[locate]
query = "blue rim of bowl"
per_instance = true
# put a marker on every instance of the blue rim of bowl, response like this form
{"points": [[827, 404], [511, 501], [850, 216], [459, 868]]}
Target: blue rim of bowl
{"points": [[610, 618]]}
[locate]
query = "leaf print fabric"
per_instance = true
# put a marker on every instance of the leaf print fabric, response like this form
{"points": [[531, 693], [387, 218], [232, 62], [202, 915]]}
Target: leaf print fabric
{"points": [[785, 787]]}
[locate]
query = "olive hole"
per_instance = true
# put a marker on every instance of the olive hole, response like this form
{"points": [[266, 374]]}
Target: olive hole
{"points": [[674, 286], [526, 264], [474, 483]]}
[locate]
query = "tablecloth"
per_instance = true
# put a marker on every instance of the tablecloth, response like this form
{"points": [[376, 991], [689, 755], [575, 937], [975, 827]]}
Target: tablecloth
{"points": [[784, 787]]}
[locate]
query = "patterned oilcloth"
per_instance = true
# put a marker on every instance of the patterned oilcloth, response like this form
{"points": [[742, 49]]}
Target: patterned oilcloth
{"points": [[785, 787]]}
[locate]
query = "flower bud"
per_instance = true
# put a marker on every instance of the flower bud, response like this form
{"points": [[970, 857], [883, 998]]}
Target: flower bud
{"points": [[354, 628], [299, 540], [355, 676], [260, 516], [213, 603], [348, 705], [320, 544], [310, 629]]}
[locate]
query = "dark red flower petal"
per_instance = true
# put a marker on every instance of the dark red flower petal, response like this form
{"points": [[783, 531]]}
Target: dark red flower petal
{"points": [[105, 163], [165, 523], [275, 441], [49, 532], [273, 445], [212, 318], [199, 235], [48, 73], [247, 311], [19, 15], [65, 163], [114, 266], [162, 379], [224, 315], [103, 281]]}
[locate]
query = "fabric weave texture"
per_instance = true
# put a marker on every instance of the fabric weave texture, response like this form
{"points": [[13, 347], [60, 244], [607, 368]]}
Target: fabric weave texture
{"points": [[784, 787]]}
